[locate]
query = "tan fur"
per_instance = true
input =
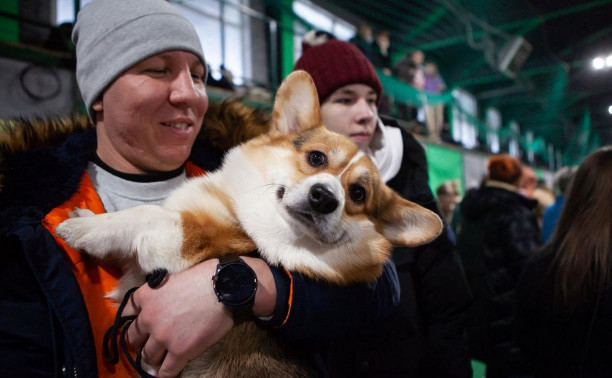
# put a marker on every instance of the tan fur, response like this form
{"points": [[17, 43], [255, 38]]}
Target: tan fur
{"points": [[249, 351], [201, 239]]}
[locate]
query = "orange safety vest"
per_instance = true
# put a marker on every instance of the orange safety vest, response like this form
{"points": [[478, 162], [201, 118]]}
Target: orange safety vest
{"points": [[96, 278]]}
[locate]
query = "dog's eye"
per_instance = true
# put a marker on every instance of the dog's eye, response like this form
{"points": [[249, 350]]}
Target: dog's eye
{"points": [[357, 193], [317, 159]]}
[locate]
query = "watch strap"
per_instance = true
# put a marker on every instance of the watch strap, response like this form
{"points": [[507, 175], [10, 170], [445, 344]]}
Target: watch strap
{"points": [[240, 314], [225, 259]]}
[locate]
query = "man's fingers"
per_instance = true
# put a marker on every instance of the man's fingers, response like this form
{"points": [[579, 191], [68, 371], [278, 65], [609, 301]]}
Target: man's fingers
{"points": [[153, 353], [136, 335], [172, 365], [132, 307]]}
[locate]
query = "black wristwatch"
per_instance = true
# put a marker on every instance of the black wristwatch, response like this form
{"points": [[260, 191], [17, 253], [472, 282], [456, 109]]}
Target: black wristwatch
{"points": [[235, 285]]}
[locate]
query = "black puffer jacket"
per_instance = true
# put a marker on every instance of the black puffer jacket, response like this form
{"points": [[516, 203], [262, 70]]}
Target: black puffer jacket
{"points": [[499, 232], [424, 336]]}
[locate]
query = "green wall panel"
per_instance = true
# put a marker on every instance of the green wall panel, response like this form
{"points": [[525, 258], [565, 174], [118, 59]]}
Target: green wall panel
{"points": [[9, 28], [444, 164]]}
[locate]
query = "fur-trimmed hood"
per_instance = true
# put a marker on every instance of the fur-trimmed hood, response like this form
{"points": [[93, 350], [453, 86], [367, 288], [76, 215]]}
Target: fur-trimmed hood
{"points": [[42, 160]]}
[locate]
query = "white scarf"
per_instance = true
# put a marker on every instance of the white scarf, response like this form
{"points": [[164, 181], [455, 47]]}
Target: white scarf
{"points": [[386, 150]]}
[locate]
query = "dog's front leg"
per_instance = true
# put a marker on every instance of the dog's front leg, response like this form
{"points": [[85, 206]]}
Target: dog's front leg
{"points": [[151, 233]]}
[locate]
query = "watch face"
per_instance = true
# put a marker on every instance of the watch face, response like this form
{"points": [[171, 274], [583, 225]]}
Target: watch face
{"points": [[235, 284]]}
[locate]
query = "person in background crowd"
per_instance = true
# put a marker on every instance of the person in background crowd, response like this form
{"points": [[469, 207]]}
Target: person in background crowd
{"points": [[410, 72], [499, 232], [564, 311], [144, 87], [364, 40], [528, 182], [563, 179], [382, 52], [545, 197], [424, 336], [434, 113], [448, 197]]}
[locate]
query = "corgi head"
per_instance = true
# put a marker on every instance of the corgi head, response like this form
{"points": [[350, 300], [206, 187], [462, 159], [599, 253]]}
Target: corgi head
{"points": [[313, 202]]}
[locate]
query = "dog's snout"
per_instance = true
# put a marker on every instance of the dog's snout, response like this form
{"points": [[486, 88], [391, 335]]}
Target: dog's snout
{"points": [[322, 200]]}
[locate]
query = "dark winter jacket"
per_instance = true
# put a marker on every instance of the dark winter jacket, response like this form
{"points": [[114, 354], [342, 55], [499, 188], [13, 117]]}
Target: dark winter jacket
{"points": [[44, 326], [498, 233], [561, 345], [424, 336]]}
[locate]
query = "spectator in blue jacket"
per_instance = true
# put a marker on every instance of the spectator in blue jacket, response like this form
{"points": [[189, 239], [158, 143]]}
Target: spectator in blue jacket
{"points": [[141, 70], [563, 179]]}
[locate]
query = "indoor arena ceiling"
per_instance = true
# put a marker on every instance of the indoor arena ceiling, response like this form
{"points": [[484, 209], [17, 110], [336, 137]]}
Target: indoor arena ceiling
{"points": [[557, 82]]}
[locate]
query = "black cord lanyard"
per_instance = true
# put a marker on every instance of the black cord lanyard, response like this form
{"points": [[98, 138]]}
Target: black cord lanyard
{"points": [[113, 335]]}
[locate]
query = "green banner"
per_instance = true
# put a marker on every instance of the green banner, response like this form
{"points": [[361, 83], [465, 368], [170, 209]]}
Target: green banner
{"points": [[444, 164]]}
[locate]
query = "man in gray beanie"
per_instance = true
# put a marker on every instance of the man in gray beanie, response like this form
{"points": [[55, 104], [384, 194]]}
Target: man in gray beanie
{"points": [[141, 71]]}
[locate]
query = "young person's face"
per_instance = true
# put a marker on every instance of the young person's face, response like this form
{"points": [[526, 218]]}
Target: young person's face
{"points": [[150, 116], [351, 111]]}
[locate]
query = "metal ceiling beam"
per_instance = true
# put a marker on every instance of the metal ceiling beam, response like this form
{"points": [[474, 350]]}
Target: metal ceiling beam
{"points": [[526, 24], [427, 23]]}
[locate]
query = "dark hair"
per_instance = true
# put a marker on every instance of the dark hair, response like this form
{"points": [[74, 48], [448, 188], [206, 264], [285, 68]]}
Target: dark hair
{"points": [[582, 241]]}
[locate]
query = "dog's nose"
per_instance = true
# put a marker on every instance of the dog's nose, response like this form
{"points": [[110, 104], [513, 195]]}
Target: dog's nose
{"points": [[322, 200]]}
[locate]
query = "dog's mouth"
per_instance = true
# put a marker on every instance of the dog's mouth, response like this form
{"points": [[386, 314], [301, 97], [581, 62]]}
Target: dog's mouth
{"points": [[318, 225]]}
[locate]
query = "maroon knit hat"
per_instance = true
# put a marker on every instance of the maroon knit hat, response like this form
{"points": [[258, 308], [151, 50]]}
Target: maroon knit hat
{"points": [[335, 64]]}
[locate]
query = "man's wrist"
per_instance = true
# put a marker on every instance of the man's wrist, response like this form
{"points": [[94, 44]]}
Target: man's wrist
{"points": [[265, 297]]}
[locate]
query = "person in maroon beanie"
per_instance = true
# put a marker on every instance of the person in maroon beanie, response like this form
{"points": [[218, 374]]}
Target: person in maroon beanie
{"points": [[423, 337]]}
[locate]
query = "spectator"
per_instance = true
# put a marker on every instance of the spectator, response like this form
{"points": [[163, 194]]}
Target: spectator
{"points": [[528, 182], [448, 198], [364, 40], [565, 292], [424, 336], [143, 86], [411, 72], [382, 52], [498, 234], [563, 179], [545, 197], [434, 117]]}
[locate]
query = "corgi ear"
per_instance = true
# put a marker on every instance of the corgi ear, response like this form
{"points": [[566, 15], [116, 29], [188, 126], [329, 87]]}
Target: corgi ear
{"points": [[406, 223], [296, 107]]}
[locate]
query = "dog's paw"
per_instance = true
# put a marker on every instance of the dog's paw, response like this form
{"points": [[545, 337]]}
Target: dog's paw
{"points": [[82, 233]]}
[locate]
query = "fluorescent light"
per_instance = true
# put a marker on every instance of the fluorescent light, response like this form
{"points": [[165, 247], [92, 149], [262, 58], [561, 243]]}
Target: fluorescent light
{"points": [[598, 63], [609, 61]]}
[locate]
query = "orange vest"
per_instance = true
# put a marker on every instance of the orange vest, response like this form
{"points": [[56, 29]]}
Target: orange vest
{"points": [[95, 278]]}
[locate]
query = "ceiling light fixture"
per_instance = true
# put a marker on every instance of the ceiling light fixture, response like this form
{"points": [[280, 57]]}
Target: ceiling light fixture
{"points": [[610, 109], [598, 63], [609, 61]]}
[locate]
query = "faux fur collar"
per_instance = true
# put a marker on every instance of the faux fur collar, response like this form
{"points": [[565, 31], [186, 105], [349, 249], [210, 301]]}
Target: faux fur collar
{"points": [[42, 160]]}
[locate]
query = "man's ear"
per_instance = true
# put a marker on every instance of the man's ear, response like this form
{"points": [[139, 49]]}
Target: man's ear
{"points": [[296, 107], [406, 223]]}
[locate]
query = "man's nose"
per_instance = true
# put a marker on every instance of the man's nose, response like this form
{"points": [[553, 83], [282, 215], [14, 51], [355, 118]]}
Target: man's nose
{"points": [[183, 89]]}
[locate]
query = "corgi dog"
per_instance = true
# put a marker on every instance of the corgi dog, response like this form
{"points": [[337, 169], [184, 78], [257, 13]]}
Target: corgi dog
{"points": [[306, 198]]}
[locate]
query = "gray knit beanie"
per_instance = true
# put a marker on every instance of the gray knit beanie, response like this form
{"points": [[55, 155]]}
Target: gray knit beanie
{"points": [[113, 35]]}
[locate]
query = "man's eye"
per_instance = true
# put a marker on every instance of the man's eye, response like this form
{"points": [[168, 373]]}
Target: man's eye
{"points": [[344, 101], [156, 71], [197, 76], [357, 193], [317, 159]]}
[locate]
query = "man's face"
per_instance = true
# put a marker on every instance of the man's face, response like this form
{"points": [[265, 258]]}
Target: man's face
{"points": [[150, 116], [351, 111]]}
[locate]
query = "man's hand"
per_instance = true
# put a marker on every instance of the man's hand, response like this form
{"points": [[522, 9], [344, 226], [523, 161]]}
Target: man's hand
{"points": [[182, 318]]}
